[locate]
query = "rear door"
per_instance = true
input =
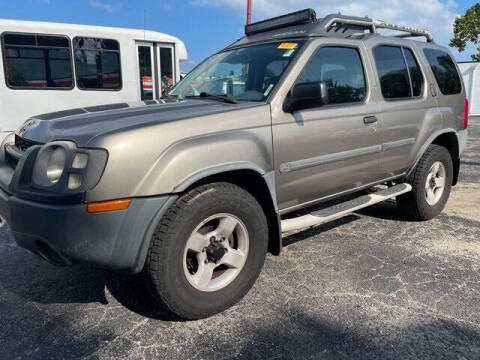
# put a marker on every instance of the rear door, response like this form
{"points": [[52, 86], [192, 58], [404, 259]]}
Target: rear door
{"points": [[407, 106]]}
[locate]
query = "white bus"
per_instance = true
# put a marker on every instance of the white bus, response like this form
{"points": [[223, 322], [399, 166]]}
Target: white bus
{"points": [[46, 67], [471, 77]]}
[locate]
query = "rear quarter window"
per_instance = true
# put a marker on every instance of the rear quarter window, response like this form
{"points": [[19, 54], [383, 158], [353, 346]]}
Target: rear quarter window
{"points": [[444, 70]]}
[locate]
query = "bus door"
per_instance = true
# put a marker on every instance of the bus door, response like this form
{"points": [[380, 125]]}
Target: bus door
{"points": [[156, 69]]}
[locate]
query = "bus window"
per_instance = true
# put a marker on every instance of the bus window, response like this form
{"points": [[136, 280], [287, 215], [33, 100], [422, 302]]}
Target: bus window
{"points": [[166, 66], [34, 61], [97, 64]]}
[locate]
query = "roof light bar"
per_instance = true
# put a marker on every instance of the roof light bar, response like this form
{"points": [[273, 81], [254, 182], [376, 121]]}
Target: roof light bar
{"points": [[297, 18]]}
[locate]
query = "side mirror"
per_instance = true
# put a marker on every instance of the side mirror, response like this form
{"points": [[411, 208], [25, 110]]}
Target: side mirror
{"points": [[306, 96]]}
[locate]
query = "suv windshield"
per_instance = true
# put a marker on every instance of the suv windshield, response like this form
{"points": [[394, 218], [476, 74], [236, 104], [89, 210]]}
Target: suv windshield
{"points": [[245, 74]]}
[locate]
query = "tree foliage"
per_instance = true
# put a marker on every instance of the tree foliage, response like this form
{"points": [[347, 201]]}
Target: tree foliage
{"points": [[467, 30]]}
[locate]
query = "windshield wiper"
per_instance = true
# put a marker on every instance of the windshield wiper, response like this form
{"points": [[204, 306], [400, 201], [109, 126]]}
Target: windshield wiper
{"points": [[223, 98]]}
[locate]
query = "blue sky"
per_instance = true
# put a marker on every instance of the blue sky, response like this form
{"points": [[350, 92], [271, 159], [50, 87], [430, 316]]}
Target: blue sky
{"points": [[208, 25]]}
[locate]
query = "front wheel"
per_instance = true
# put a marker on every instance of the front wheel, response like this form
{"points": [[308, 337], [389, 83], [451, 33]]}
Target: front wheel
{"points": [[431, 182], [208, 250]]}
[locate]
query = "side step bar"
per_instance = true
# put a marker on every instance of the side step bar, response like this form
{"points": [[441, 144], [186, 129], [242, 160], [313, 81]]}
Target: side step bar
{"points": [[340, 210]]}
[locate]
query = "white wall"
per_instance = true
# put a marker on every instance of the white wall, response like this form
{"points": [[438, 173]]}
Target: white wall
{"points": [[471, 78]]}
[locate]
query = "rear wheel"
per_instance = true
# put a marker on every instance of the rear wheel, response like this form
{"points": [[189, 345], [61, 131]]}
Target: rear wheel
{"points": [[431, 182], [207, 250]]}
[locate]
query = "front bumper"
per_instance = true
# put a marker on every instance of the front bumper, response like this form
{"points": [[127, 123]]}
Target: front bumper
{"points": [[68, 234]]}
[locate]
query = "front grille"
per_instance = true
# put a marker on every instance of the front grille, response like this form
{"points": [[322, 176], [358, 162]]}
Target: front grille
{"points": [[23, 144]]}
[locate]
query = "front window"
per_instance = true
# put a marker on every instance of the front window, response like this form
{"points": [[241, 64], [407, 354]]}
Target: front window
{"points": [[245, 74]]}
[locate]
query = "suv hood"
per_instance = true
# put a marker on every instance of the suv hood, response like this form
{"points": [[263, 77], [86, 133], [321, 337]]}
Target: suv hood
{"points": [[84, 124]]}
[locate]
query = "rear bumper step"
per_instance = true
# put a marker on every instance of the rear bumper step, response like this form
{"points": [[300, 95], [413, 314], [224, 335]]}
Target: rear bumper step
{"points": [[340, 210]]}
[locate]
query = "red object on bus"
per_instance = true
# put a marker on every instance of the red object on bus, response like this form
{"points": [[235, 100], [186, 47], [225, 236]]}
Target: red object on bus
{"points": [[147, 83]]}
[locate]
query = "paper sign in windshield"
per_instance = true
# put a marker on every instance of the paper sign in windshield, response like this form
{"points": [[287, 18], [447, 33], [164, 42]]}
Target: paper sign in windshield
{"points": [[288, 46]]}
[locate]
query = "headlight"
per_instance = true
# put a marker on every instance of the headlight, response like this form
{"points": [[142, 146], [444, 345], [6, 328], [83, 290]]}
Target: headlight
{"points": [[61, 167], [56, 163]]}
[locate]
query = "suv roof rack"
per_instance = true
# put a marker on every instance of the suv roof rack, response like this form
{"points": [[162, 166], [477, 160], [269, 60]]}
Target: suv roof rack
{"points": [[332, 25], [338, 21]]}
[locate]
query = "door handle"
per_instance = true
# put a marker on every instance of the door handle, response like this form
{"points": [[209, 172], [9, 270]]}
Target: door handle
{"points": [[367, 120]]}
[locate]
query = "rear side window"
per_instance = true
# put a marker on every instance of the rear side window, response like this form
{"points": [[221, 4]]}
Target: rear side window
{"points": [[341, 69], [33, 61], [97, 64], [444, 70], [393, 72], [399, 72]]}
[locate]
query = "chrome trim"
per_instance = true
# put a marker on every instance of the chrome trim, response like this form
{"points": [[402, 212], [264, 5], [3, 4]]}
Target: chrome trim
{"points": [[339, 194], [329, 158], [398, 144]]}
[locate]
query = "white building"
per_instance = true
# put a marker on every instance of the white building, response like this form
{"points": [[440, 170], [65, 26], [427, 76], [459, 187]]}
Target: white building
{"points": [[47, 67], [471, 78]]}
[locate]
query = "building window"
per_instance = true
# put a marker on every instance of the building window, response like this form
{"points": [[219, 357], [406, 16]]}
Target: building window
{"points": [[97, 64], [34, 61]]}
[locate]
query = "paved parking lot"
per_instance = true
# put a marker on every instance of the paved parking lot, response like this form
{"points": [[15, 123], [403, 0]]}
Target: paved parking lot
{"points": [[367, 286]]}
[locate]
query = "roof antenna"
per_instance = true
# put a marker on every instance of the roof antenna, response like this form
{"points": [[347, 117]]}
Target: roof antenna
{"points": [[144, 24]]}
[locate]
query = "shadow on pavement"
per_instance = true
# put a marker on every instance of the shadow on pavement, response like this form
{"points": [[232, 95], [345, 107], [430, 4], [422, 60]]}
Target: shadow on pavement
{"points": [[132, 293], [305, 234], [301, 336], [470, 163]]}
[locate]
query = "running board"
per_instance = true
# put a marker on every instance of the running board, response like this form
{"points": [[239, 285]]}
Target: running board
{"points": [[340, 210]]}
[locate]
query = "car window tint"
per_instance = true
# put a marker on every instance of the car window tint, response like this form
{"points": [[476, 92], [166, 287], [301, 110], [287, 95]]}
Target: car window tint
{"points": [[37, 61], [341, 70], [392, 72], [445, 71], [415, 72], [97, 64]]}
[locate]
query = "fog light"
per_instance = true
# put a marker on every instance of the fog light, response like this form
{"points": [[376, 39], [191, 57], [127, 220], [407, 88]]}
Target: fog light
{"points": [[80, 161], [74, 181]]}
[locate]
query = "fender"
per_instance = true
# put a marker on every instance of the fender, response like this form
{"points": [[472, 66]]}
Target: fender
{"points": [[192, 159], [427, 143], [215, 170]]}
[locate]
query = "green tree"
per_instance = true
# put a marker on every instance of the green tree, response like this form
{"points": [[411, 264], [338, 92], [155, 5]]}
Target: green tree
{"points": [[467, 30]]}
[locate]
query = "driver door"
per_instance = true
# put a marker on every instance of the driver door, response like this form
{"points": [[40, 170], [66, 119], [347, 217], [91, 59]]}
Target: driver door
{"points": [[331, 148]]}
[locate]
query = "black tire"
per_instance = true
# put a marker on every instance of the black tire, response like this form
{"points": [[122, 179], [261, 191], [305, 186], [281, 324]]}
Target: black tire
{"points": [[414, 204], [164, 264]]}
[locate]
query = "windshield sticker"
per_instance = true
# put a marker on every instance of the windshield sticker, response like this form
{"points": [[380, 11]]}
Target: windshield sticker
{"points": [[289, 53], [270, 87], [288, 46]]}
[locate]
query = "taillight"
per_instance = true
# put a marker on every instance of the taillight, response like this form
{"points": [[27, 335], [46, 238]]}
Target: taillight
{"points": [[465, 119]]}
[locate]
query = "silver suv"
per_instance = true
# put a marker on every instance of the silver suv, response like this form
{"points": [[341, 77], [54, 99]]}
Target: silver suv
{"points": [[194, 189]]}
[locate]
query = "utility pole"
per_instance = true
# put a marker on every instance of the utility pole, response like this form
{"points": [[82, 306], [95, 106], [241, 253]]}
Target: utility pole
{"points": [[249, 11]]}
